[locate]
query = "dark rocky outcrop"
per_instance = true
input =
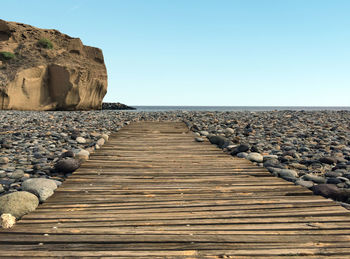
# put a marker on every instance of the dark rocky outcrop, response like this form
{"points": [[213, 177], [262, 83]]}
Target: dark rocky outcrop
{"points": [[116, 106]]}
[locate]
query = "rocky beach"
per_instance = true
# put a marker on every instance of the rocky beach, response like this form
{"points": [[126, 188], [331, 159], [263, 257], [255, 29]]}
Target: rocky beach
{"points": [[40, 149]]}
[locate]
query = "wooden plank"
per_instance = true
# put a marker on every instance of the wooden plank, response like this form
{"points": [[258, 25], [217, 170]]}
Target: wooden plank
{"points": [[153, 192]]}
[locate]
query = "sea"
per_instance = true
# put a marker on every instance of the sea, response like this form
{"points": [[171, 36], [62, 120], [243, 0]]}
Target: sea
{"points": [[239, 108]]}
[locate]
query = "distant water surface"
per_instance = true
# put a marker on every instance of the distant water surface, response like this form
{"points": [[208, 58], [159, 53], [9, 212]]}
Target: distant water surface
{"points": [[238, 108]]}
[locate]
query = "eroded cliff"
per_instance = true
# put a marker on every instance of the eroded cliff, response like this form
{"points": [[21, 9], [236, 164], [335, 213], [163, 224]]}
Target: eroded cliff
{"points": [[35, 75]]}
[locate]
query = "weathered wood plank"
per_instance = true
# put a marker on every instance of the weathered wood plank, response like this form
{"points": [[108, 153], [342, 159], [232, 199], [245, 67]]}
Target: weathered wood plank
{"points": [[153, 192]]}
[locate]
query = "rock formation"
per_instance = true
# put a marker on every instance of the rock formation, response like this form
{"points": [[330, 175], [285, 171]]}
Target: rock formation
{"points": [[116, 106], [47, 70]]}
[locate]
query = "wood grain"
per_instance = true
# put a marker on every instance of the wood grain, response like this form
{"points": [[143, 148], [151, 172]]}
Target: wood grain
{"points": [[153, 192]]}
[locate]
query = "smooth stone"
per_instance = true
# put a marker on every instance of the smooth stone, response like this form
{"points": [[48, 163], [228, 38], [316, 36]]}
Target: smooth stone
{"points": [[17, 174], [269, 157], [1, 188], [307, 184], [198, 139], [331, 191], [274, 170], [67, 165], [272, 163], [344, 179], [333, 174], [95, 134], [18, 203], [242, 155], [230, 147], [204, 133], [4, 160], [83, 155], [229, 131], [298, 166], [288, 174], [333, 180], [67, 154], [219, 141], [100, 142], [80, 140], [255, 157], [328, 160], [41, 187], [243, 148], [314, 178], [105, 137]]}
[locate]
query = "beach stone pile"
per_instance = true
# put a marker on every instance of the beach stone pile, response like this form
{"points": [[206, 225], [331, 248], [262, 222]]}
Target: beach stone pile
{"points": [[309, 148], [38, 150]]}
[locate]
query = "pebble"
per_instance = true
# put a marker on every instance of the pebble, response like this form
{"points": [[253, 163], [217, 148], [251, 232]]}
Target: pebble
{"points": [[80, 140], [255, 157], [289, 175], [242, 155], [307, 184], [218, 140], [198, 139], [83, 155], [314, 178], [105, 137], [100, 142], [17, 174], [4, 160], [306, 142]]}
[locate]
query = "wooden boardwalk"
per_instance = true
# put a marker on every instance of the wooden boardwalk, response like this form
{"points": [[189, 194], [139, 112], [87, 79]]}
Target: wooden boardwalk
{"points": [[152, 192]]}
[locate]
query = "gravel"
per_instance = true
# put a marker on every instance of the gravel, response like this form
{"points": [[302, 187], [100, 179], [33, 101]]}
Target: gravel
{"points": [[308, 148]]}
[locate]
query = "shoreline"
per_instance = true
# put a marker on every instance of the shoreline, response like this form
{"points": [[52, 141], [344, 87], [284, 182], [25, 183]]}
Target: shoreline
{"points": [[309, 148]]}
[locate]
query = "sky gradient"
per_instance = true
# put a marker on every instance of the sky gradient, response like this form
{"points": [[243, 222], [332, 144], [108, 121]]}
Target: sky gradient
{"points": [[217, 52]]}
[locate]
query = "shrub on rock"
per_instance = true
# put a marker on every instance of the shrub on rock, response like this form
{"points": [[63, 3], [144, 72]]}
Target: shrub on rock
{"points": [[45, 43]]}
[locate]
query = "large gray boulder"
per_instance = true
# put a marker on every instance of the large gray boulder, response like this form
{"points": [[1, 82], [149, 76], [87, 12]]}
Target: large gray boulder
{"points": [[41, 187], [18, 203]]}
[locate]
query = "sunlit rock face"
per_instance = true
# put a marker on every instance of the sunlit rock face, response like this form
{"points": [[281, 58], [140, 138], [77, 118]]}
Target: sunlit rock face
{"points": [[68, 76]]}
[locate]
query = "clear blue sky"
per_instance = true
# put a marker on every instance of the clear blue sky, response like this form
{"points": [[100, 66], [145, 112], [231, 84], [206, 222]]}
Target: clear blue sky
{"points": [[217, 52]]}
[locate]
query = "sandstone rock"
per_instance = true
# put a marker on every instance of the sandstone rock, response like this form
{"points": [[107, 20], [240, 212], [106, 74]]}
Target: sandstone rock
{"points": [[18, 203], [100, 142], [4, 160], [71, 76], [80, 140], [105, 137], [7, 220], [83, 155]]}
